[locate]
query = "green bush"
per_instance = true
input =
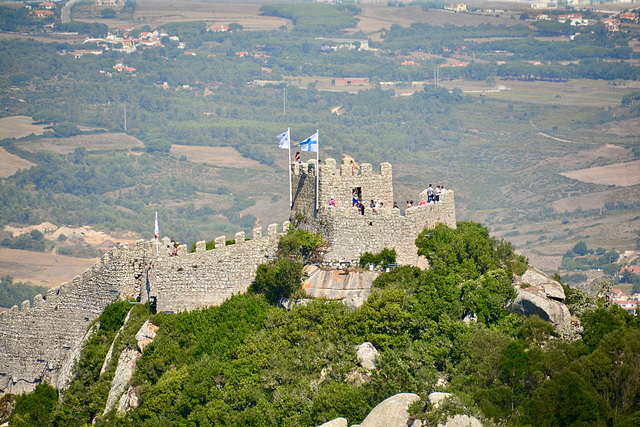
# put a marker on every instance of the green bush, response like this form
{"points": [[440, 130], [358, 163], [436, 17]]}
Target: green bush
{"points": [[113, 315], [34, 409], [279, 280], [298, 244], [383, 258]]}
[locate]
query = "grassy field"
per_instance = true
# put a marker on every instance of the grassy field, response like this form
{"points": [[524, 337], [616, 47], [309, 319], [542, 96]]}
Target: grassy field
{"points": [[157, 12], [95, 142], [10, 164], [43, 269], [19, 126]]}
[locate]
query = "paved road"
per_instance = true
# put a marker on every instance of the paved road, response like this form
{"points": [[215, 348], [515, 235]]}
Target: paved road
{"points": [[66, 11]]}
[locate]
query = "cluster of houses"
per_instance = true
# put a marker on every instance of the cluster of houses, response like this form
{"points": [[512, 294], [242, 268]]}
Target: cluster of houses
{"points": [[109, 2], [145, 40], [626, 302], [43, 10], [460, 7], [577, 20]]}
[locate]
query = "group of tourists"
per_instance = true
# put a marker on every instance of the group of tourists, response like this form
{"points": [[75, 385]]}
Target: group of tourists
{"points": [[433, 195]]}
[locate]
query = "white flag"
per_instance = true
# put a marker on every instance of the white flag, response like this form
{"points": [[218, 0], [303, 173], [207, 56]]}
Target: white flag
{"points": [[157, 229], [310, 144], [285, 139]]}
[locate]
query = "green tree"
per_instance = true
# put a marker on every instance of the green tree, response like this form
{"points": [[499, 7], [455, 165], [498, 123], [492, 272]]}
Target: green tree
{"points": [[66, 129], [580, 248], [34, 409], [279, 280], [108, 13]]}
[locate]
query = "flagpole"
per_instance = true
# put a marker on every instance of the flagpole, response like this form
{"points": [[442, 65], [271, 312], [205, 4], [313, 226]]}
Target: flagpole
{"points": [[317, 167], [157, 237], [290, 188]]}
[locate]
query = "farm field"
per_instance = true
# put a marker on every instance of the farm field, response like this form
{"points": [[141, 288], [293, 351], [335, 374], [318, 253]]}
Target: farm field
{"points": [[95, 142], [43, 269], [158, 12], [10, 163], [19, 126]]}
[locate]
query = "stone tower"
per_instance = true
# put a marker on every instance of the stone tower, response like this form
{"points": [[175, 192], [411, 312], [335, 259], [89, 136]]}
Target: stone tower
{"points": [[349, 233]]}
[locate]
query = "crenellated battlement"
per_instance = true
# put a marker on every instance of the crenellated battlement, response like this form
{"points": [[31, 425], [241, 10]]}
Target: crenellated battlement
{"points": [[209, 277], [350, 232]]}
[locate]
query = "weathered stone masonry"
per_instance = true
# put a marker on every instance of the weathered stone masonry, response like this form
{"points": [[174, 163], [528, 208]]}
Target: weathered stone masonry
{"points": [[351, 234], [206, 278], [36, 340]]}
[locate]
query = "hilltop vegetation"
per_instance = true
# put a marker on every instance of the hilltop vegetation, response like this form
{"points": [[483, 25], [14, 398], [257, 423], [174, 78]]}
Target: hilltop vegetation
{"points": [[249, 362]]}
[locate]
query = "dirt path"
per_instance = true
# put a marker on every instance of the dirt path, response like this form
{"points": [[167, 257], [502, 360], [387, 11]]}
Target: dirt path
{"points": [[545, 134]]}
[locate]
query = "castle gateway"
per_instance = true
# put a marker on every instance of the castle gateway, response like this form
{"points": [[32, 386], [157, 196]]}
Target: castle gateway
{"points": [[342, 226]]}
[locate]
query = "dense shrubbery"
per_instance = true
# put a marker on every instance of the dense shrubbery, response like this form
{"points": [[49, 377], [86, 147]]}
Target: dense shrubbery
{"points": [[314, 17], [582, 258], [383, 258]]}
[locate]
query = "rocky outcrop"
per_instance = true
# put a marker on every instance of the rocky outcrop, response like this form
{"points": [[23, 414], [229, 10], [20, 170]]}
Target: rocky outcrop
{"points": [[437, 401], [538, 294], [461, 421], [146, 334], [107, 359], [351, 286], [338, 422], [392, 412], [128, 401], [367, 355], [437, 398], [537, 278], [124, 372]]}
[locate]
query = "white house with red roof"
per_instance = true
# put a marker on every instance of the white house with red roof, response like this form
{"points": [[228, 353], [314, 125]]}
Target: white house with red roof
{"points": [[218, 28], [41, 13]]}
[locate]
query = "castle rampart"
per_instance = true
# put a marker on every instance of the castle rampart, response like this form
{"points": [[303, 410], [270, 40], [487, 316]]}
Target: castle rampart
{"points": [[35, 340], [205, 278]]}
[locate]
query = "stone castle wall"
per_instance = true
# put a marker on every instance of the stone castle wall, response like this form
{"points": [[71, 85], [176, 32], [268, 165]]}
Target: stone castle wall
{"points": [[351, 234], [36, 339], [338, 183], [205, 278], [36, 342]]}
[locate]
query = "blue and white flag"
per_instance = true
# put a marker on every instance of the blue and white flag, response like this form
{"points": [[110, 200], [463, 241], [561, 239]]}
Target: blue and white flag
{"points": [[310, 144], [285, 140]]}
